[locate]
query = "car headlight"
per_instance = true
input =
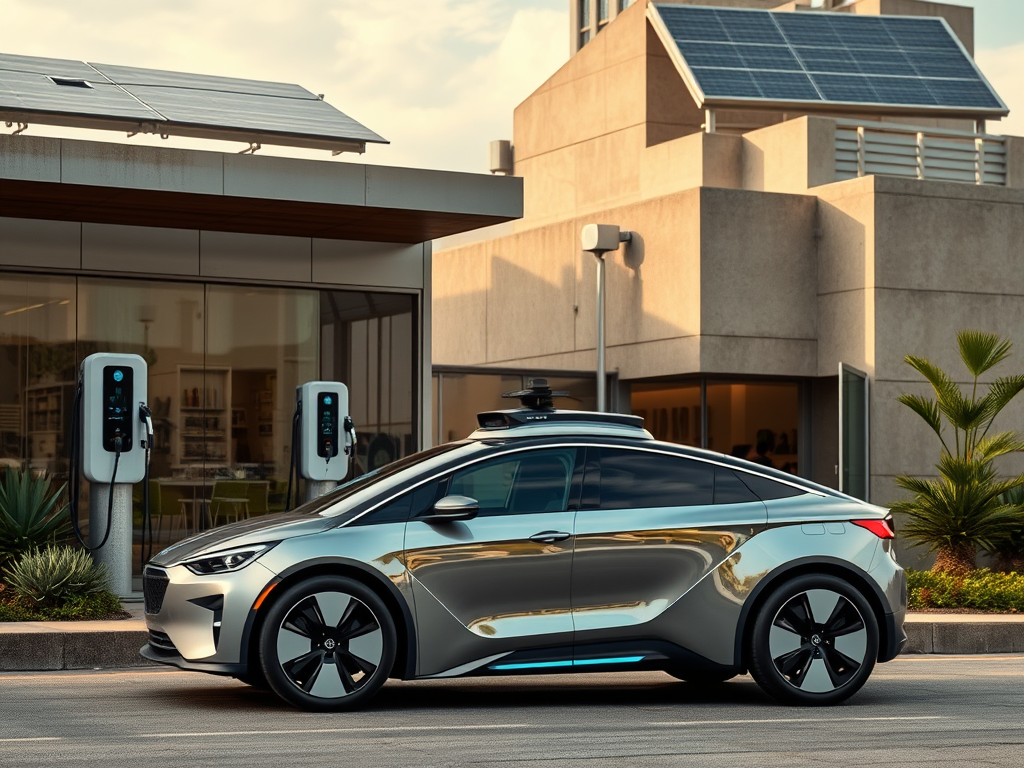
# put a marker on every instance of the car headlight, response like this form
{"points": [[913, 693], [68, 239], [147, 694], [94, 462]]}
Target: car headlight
{"points": [[228, 560]]}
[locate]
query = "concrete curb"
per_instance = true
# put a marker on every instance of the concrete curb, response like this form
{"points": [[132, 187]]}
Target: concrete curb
{"points": [[51, 651], [964, 637]]}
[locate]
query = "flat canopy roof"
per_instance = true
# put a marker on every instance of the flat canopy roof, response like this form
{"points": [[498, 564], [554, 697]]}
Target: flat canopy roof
{"points": [[821, 61], [70, 180], [109, 97]]}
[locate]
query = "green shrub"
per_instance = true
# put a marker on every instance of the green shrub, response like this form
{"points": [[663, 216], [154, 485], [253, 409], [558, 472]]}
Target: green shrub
{"points": [[98, 605], [981, 590], [55, 576], [30, 516]]}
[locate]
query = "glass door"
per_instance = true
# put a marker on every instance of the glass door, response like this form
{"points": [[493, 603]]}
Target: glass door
{"points": [[853, 432]]}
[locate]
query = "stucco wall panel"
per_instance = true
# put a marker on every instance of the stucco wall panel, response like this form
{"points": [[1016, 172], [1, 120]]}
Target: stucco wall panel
{"points": [[155, 168], [759, 270], [531, 294], [937, 243], [459, 314], [40, 243], [118, 248], [255, 257], [357, 262]]}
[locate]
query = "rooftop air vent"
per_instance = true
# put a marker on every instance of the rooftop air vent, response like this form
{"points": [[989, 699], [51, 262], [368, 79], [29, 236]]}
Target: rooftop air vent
{"points": [[71, 82]]}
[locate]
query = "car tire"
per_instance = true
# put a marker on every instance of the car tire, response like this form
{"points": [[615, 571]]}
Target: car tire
{"points": [[328, 644], [814, 641]]}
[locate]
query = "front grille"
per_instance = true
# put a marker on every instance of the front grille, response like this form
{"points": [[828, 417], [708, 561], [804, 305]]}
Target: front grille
{"points": [[161, 641], [154, 587]]}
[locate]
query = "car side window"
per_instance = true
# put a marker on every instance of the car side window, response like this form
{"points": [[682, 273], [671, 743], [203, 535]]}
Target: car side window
{"points": [[729, 489], [410, 504], [520, 483], [766, 489], [643, 479]]}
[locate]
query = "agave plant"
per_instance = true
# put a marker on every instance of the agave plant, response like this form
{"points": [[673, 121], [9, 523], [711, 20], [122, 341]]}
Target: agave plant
{"points": [[30, 515], [968, 506], [54, 575]]}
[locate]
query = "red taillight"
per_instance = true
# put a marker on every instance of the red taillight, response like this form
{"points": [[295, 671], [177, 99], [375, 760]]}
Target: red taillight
{"points": [[881, 528]]}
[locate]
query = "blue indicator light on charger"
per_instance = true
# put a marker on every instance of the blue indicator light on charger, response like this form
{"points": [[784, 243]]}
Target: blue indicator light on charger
{"points": [[118, 375], [327, 400]]}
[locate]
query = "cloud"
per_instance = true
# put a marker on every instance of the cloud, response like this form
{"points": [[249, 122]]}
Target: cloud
{"points": [[1003, 68], [438, 78]]}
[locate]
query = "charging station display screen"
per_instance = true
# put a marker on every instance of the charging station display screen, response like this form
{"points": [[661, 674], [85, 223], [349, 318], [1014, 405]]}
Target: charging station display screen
{"points": [[327, 425], [118, 385]]}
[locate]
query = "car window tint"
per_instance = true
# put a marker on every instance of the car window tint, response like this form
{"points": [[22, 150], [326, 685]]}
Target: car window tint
{"points": [[729, 489], [639, 479], [410, 504], [766, 489], [521, 483]]}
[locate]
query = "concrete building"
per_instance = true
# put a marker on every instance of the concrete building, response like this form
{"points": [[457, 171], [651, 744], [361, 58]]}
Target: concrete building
{"points": [[769, 249], [237, 277]]}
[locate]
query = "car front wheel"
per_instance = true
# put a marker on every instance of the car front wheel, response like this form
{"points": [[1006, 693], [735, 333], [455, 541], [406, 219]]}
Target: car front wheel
{"points": [[814, 641], [327, 644]]}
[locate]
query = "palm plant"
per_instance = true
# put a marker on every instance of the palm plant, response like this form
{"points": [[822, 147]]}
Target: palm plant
{"points": [[30, 515], [966, 507]]}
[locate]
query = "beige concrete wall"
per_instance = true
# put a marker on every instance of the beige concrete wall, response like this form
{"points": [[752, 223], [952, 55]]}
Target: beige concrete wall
{"points": [[790, 157], [698, 288], [758, 283]]}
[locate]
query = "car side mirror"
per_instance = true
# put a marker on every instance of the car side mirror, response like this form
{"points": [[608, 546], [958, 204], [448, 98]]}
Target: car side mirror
{"points": [[452, 508]]}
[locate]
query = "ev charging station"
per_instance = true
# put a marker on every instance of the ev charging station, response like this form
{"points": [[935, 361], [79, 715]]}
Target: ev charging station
{"points": [[112, 436], [323, 435]]}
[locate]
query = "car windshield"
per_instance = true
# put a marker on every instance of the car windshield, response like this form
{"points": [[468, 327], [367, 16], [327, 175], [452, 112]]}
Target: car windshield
{"points": [[324, 504]]}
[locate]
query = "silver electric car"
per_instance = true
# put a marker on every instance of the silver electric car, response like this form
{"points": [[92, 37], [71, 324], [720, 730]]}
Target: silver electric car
{"points": [[548, 541]]}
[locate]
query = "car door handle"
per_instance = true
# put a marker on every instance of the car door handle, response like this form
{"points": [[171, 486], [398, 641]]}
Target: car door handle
{"points": [[547, 537]]}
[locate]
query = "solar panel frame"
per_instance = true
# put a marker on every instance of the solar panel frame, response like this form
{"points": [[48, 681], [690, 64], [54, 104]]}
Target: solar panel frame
{"points": [[866, 40], [113, 97]]}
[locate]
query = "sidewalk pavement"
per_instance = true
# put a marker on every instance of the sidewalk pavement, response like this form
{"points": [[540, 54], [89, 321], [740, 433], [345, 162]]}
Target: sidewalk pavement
{"points": [[55, 645]]}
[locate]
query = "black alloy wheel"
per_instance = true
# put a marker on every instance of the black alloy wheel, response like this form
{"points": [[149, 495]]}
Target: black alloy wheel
{"points": [[815, 641], [328, 644]]}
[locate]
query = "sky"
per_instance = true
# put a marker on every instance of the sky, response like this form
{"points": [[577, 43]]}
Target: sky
{"points": [[438, 78]]}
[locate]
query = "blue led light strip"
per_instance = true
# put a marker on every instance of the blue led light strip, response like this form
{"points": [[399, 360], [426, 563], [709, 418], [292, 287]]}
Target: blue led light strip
{"points": [[576, 663]]}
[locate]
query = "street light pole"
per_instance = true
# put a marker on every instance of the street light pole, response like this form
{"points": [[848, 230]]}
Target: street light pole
{"points": [[601, 378], [598, 239]]}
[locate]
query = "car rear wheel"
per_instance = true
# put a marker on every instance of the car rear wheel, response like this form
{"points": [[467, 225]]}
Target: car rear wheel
{"points": [[814, 642], [327, 644]]}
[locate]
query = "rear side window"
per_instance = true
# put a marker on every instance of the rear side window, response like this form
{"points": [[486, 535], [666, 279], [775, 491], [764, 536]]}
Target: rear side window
{"points": [[729, 489], [641, 479], [766, 489]]}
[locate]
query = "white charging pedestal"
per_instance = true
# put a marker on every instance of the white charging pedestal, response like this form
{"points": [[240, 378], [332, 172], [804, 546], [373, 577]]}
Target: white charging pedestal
{"points": [[323, 442], [112, 387]]}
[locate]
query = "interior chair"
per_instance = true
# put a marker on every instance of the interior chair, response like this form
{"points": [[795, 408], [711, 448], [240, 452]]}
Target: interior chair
{"points": [[230, 500]]}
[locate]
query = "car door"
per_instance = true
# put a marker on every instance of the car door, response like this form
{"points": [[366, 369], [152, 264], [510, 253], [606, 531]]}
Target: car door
{"points": [[648, 530], [506, 573]]}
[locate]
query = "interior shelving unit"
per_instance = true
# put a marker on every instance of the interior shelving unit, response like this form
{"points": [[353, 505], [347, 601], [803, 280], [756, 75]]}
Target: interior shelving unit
{"points": [[204, 415]]}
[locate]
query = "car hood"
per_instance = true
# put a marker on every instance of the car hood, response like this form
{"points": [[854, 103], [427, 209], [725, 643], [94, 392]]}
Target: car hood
{"points": [[283, 525]]}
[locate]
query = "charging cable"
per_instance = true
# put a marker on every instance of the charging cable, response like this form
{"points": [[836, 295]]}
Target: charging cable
{"points": [[146, 417], [75, 479], [293, 461]]}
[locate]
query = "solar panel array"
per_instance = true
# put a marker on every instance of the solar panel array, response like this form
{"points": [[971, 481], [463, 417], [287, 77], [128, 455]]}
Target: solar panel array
{"points": [[33, 88], [829, 58]]}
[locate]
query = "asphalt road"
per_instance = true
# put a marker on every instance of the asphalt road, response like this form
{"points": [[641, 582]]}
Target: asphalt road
{"points": [[915, 711]]}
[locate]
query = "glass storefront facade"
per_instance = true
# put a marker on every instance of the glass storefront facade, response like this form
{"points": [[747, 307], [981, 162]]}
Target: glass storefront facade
{"points": [[224, 362], [459, 395], [754, 420]]}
